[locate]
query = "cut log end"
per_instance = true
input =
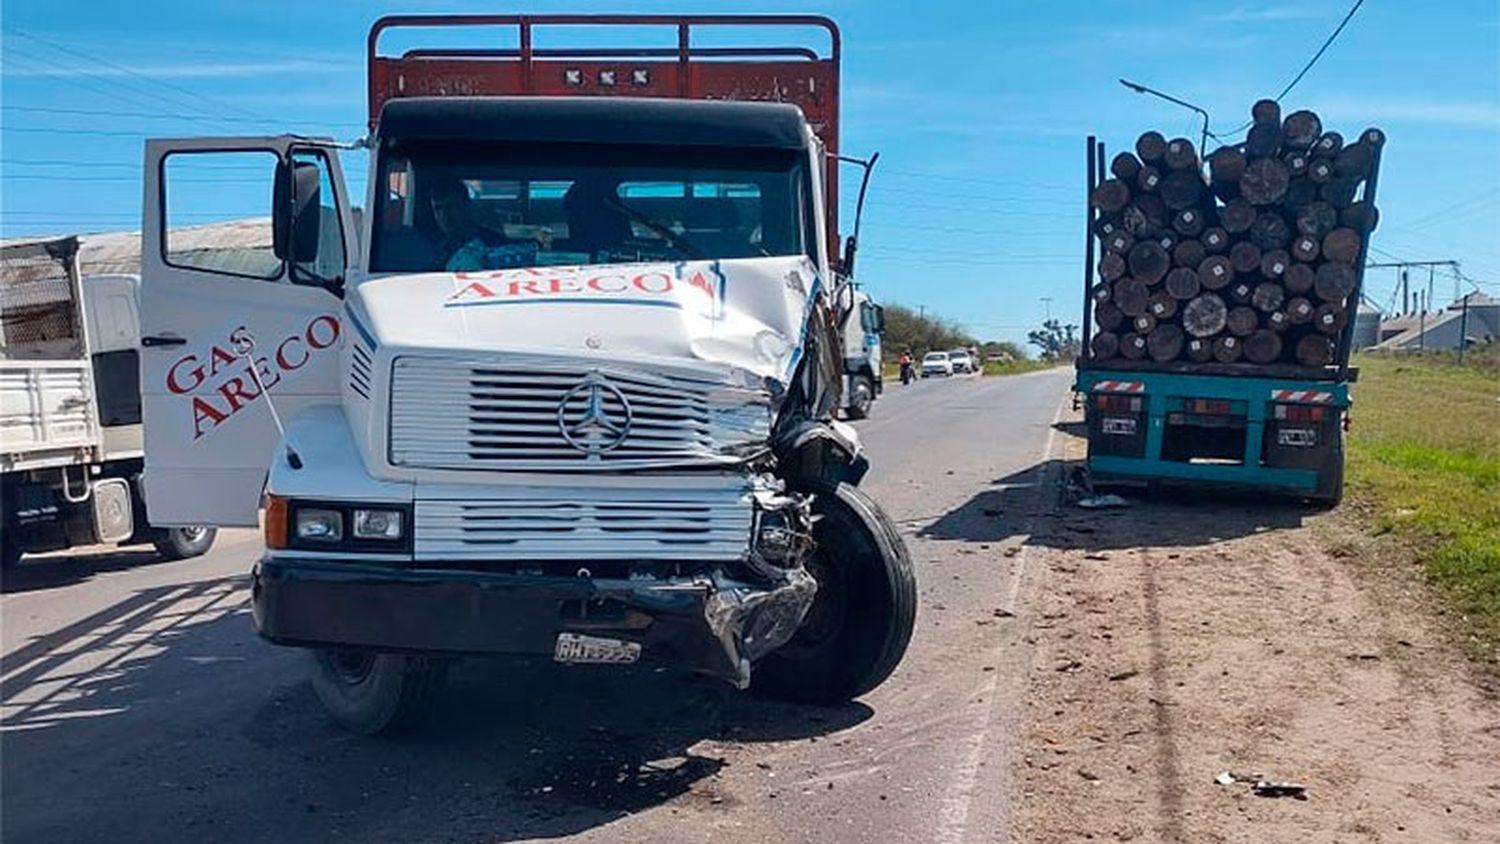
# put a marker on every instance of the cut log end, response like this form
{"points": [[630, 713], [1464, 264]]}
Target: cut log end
{"points": [[1165, 343], [1315, 350], [1151, 147], [1263, 346], [1205, 316]]}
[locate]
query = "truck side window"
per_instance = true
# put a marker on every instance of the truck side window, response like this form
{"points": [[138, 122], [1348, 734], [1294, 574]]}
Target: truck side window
{"points": [[330, 261], [230, 191]]}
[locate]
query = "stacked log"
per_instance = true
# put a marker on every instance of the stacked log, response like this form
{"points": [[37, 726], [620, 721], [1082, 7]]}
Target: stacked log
{"points": [[1247, 255]]}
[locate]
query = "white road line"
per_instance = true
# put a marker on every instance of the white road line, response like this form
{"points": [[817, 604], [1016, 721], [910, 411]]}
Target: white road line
{"points": [[954, 818]]}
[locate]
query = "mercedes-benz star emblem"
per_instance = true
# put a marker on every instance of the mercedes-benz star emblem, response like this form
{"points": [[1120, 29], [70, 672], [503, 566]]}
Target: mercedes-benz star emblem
{"points": [[594, 416]]}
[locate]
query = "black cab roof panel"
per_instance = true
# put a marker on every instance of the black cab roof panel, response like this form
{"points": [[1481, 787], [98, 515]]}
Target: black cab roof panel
{"points": [[621, 120]]}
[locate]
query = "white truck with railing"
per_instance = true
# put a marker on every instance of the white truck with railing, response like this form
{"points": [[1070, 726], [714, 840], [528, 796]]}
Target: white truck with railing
{"points": [[863, 379], [567, 388], [70, 409]]}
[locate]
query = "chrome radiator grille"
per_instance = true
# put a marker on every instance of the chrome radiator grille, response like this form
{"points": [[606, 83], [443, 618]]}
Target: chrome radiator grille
{"points": [[640, 526], [447, 414]]}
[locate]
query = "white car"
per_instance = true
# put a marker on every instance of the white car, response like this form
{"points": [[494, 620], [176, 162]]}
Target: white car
{"points": [[936, 363], [961, 361]]}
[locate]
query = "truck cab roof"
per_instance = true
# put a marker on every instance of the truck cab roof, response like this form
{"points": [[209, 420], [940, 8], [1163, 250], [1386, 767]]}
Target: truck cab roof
{"points": [[614, 120]]}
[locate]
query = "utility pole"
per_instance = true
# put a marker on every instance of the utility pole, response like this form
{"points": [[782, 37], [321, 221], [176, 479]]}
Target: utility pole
{"points": [[1422, 324], [921, 312], [1463, 329], [1403, 266], [1047, 302]]}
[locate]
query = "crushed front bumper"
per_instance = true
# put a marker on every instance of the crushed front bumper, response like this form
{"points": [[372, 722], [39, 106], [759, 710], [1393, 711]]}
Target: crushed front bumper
{"points": [[711, 623]]}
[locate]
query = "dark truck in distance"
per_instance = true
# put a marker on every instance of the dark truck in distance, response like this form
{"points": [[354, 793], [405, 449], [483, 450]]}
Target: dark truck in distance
{"points": [[571, 389]]}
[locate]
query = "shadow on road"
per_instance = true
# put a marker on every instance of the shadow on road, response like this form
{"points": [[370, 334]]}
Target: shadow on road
{"points": [[186, 727], [1166, 518], [53, 571]]}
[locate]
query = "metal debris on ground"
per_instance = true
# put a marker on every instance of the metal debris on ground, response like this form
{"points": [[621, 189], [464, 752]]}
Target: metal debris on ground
{"points": [[1102, 502], [1262, 787], [1266, 788]]}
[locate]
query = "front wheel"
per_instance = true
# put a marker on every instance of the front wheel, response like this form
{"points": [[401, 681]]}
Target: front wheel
{"points": [[180, 543], [371, 694], [861, 619]]}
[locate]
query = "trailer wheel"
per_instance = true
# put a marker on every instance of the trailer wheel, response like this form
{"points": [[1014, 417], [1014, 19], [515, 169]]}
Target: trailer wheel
{"points": [[179, 543], [859, 625], [861, 396], [373, 694], [1331, 485]]}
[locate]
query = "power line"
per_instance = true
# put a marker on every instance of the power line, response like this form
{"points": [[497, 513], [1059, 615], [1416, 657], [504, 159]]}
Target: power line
{"points": [[161, 116], [1428, 219], [1307, 67], [170, 86]]}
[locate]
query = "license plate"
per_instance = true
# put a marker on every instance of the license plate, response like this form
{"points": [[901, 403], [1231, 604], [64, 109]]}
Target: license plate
{"points": [[1116, 425], [577, 649], [1299, 437]]}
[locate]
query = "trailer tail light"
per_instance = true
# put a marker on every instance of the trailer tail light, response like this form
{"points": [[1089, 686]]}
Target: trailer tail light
{"points": [[1209, 407], [1299, 413], [1118, 404]]}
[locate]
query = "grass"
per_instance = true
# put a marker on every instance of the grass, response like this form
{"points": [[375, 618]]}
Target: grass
{"points": [[1016, 367], [1424, 470]]}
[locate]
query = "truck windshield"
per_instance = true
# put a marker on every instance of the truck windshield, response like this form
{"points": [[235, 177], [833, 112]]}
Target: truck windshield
{"points": [[464, 206]]}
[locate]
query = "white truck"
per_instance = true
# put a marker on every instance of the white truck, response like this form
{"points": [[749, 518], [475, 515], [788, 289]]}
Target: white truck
{"points": [[70, 409], [863, 378], [568, 388]]}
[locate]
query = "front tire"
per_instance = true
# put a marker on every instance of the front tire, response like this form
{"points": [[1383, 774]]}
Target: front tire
{"points": [[862, 618], [861, 396], [374, 694], [181, 543]]}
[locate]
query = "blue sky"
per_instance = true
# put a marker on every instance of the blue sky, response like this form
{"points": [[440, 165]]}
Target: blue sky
{"points": [[979, 111]]}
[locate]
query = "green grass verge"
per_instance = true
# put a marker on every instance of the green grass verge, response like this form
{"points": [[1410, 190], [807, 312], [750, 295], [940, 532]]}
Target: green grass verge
{"points": [[1016, 367], [1424, 469]]}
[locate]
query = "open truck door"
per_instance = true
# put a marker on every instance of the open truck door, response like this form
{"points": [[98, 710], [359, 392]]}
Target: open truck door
{"points": [[245, 245]]}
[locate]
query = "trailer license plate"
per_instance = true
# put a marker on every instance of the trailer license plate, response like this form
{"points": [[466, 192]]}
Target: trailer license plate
{"points": [[1299, 437], [575, 649], [1117, 425]]}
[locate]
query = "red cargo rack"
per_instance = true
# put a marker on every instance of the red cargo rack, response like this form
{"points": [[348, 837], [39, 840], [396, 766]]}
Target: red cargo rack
{"points": [[794, 74]]}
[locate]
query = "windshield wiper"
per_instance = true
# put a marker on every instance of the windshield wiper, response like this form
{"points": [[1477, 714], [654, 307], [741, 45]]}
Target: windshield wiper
{"points": [[673, 238]]}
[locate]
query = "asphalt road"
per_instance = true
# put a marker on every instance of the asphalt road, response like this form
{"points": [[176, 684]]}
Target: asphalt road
{"points": [[138, 705]]}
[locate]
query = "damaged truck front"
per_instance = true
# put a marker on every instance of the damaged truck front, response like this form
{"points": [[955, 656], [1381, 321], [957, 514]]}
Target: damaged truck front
{"points": [[567, 387]]}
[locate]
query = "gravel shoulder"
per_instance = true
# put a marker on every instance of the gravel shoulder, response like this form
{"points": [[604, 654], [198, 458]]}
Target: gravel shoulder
{"points": [[1177, 639]]}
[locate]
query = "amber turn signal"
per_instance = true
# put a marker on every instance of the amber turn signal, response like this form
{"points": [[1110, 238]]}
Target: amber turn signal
{"points": [[277, 509]]}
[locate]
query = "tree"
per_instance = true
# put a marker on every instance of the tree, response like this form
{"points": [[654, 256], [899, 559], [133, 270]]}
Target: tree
{"points": [[905, 329], [1057, 341]]}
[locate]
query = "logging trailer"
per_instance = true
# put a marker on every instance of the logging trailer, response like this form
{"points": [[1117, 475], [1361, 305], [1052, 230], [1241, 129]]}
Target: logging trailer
{"points": [[1275, 427]]}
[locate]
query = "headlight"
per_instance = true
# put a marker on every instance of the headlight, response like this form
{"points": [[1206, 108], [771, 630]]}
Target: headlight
{"points": [[378, 524], [317, 524], [335, 526]]}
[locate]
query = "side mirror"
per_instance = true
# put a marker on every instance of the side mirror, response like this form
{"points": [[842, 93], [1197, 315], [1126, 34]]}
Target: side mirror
{"points": [[879, 316], [846, 263], [296, 218]]}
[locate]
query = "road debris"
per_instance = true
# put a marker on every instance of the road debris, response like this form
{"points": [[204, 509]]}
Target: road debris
{"points": [[1102, 502], [1262, 787], [1267, 788]]}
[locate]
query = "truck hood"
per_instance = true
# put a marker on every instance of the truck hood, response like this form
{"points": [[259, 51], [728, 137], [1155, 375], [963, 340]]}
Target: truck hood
{"points": [[746, 314]]}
